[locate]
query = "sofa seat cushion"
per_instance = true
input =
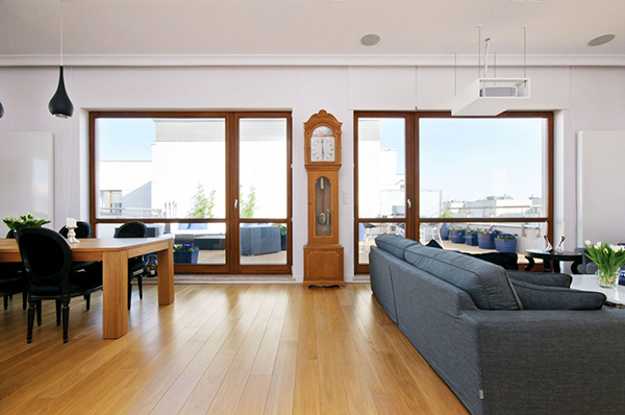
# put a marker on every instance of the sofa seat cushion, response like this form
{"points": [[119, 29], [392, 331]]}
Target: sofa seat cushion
{"points": [[394, 244], [486, 283], [539, 297]]}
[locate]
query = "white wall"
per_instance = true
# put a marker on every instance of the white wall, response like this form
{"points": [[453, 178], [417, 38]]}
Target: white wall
{"points": [[589, 98]]}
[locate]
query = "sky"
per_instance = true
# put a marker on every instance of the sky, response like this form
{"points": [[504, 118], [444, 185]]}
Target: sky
{"points": [[467, 159]]}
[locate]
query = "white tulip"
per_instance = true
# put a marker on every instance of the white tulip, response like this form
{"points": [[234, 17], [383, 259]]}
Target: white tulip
{"points": [[588, 243]]}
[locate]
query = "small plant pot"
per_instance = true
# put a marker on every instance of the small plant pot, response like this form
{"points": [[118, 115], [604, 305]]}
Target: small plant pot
{"points": [[486, 240], [471, 239], [506, 245], [187, 257], [444, 232], [457, 236]]}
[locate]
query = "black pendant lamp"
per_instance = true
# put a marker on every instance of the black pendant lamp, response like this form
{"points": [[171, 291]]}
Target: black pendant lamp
{"points": [[60, 105]]}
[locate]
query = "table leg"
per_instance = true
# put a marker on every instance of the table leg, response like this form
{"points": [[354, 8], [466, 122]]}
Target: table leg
{"points": [[115, 296], [166, 275], [530, 263]]}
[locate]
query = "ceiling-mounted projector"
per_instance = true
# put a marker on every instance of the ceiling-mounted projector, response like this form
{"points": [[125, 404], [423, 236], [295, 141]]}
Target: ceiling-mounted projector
{"points": [[490, 96]]}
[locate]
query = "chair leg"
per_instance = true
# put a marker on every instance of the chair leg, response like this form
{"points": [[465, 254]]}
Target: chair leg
{"points": [[88, 301], [140, 284], [31, 321], [24, 300], [65, 321], [6, 302], [129, 293], [39, 313], [58, 313]]}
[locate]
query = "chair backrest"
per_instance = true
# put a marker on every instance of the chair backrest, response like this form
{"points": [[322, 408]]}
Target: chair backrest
{"points": [[47, 258], [83, 230], [132, 230]]}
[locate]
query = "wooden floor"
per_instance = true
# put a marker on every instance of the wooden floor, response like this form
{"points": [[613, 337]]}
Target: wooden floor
{"points": [[232, 349]]}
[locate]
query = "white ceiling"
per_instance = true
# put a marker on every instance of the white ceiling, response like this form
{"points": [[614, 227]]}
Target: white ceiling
{"points": [[308, 27]]}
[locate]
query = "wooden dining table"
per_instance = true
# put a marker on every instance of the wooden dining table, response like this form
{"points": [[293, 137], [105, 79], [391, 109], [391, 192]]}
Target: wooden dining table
{"points": [[114, 254]]}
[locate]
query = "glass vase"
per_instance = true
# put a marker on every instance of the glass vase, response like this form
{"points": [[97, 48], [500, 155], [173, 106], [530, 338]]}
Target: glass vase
{"points": [[607, 279]]}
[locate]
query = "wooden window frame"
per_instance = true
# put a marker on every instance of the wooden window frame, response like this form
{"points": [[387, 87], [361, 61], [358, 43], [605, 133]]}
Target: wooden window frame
{"points": [[412, 219], [232, 219]]}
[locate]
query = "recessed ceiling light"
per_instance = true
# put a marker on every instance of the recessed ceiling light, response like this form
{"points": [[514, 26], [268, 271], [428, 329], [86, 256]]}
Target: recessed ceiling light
{"points": [[370, 39], [601, 40]]}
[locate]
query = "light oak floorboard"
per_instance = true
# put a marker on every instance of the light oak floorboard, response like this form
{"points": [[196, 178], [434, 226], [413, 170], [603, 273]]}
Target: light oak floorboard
{"points": [[221, 349]]}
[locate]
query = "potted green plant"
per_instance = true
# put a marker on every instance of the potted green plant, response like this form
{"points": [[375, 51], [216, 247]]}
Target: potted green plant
{"points": [[186, 254], [470, 237], [283, 240], [486, 238], [456, 235], [23, 222], [609, 260], [506, 242]]}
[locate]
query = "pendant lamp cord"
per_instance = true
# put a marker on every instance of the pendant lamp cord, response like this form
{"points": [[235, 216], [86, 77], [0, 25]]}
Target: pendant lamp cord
{"points": [[61, 29]]}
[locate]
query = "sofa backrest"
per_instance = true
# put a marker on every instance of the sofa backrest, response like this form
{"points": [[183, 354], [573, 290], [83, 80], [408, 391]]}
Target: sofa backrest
{"points": [[394, 244], [486, 283]]}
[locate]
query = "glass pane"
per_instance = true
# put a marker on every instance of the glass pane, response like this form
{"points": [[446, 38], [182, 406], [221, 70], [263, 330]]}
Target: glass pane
{"points": [[483, 168], [323, 203], [160, 168], [484, 237], [263, 168], [194, 243], [367, 232], [381, 168], [263, 243]]}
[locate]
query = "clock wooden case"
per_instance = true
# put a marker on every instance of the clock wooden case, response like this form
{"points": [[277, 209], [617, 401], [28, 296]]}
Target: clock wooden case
{"points": [[323, 255]]}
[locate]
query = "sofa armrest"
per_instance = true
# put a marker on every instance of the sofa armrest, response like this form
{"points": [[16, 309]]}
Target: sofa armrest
{"points": [[541, 362], [547, 279]]}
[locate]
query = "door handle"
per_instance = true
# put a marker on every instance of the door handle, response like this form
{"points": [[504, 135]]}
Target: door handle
{"points": [[236, 203], [409, 203]]}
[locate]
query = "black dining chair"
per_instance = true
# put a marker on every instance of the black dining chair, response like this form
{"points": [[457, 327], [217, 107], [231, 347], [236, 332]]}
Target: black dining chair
{"points": [[137, 267], [93, 270], [12, 280], [47, 260]]}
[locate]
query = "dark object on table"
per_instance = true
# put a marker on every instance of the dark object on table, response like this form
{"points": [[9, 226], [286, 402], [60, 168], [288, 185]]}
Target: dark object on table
{"points": [[136, 266], [551, 259], [47, 259]]}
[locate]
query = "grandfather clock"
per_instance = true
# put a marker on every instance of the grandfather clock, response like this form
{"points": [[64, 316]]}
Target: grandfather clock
{"points": [[323, 255]]}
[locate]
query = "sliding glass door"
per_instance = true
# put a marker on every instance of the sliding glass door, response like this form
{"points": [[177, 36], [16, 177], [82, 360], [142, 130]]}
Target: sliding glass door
{"points": [[219, 183], [381, 185], [460, 181]]}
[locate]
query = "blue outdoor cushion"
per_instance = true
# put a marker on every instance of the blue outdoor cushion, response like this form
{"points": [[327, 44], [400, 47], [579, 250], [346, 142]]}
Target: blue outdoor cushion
{"points": [[394, 244], [486, 283]]}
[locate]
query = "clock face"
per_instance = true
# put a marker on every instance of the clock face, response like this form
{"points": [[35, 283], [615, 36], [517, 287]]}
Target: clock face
{"points": [[322, 145]]}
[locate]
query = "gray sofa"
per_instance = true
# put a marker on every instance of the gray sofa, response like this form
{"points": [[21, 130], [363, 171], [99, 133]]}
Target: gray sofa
{"points": [[465, 317]]}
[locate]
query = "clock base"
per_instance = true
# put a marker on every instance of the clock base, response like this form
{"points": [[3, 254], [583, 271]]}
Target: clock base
{"points": [[323, 265]]}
